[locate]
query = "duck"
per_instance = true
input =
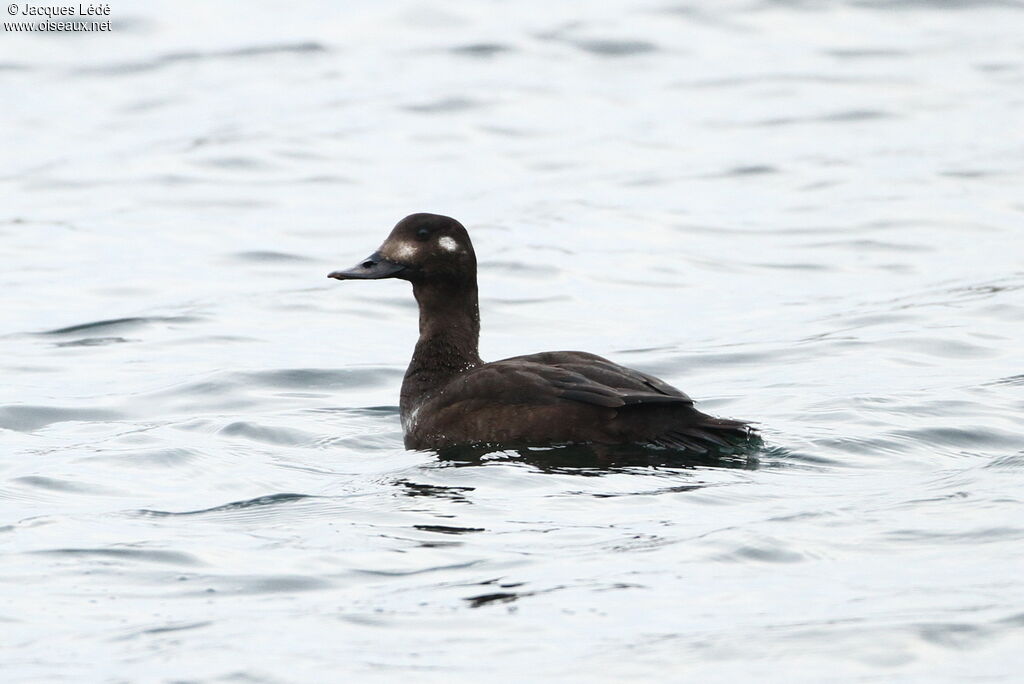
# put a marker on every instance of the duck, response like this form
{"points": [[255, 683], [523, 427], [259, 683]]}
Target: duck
{"points": [[451, 398]]}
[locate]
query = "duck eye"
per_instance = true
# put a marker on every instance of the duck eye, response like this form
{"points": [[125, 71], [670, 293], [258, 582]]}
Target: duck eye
{"points": [[422, 234]]}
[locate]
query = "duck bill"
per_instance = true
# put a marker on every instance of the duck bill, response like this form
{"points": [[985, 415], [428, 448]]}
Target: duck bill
{"points": [[372, 267]]}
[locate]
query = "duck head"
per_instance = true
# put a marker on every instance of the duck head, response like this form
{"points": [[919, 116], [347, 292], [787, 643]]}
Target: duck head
{"points": [[421, 248]]}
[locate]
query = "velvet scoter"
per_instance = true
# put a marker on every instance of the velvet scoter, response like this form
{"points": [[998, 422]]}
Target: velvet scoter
{"points": [[450, 397]]}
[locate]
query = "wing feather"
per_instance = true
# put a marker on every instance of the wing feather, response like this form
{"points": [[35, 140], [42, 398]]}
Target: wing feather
{"points": [[587, 378]]}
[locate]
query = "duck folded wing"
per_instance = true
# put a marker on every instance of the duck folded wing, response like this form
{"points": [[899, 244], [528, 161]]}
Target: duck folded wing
{"points": [[573, 376], [646, 388]]}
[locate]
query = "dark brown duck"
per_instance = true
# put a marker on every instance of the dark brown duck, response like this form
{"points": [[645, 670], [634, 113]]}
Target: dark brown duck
{"points": [[450, 397]]}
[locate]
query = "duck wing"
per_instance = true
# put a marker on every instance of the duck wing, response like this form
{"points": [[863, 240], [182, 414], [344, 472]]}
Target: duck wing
{"points": [[583, 377], [588, 378]]}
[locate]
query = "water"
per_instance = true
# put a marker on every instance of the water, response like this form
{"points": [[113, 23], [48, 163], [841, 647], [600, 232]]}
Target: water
{"points": [[803, 214]]}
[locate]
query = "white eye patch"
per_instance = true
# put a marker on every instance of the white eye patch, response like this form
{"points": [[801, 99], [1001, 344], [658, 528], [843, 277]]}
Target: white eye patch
{"points": [[404, 250], [448, 244]]}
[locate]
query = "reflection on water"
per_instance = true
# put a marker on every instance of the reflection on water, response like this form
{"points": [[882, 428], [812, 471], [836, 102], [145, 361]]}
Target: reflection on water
{"points": [[588, 459], [803, 214]]}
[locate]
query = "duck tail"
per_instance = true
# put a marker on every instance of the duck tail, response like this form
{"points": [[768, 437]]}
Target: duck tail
{"points": [[712, 435]]}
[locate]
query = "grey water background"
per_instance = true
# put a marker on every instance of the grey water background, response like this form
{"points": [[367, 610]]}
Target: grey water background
{"points": [[804, 214]]}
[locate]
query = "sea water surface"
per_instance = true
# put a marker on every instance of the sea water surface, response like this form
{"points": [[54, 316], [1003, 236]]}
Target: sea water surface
{"points": [[806, 214]]}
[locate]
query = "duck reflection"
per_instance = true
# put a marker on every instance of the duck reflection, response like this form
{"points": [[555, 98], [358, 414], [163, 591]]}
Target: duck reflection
{"points": [[598, 459]]}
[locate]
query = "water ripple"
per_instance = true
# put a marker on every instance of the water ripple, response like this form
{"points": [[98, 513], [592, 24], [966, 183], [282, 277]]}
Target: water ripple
{"points": [[260, 501], [128, 554], [115, 324], [173, 58], [31, 418]]}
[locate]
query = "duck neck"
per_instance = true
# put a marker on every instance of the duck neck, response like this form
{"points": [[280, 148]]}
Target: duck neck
{"points": [[449, 337]]}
